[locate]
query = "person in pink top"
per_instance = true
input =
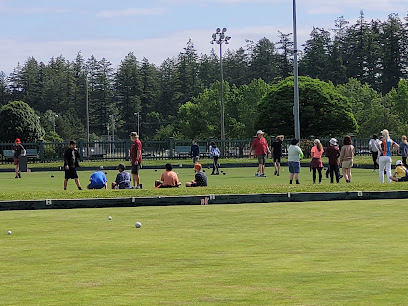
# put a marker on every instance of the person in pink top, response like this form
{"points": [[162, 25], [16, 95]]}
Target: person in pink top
{"points": [[168, 179], [260, 147], [136, 159], [316, 163]]}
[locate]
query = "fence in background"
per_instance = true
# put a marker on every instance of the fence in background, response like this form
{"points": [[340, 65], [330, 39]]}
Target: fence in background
{"points": [[163, 149]]}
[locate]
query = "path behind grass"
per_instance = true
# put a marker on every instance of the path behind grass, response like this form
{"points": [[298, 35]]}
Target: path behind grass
{"points": [[49, 185], [316, 253]]}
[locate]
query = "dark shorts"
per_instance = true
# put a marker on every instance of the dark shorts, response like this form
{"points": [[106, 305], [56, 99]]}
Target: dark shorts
{"points": [[294, 167], [277, 158], [15, 161], [158, 184], [95, 187], [403, 179], [71, 174], [261, 159], [135, 168]]}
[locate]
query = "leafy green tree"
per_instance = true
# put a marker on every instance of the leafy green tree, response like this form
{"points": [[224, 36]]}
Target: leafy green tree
{"points": [[286, 45], [18, 119], [4, 89], [323, 111], [264, 61], [363, 100]]}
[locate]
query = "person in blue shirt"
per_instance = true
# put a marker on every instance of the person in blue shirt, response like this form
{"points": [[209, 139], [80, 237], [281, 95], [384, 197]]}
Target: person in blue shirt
{"points": [[123, 178], [386, 147], [98, 180]]}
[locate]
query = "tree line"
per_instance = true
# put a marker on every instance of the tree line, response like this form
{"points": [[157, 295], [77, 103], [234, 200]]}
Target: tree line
{"points": [[364, 62]]}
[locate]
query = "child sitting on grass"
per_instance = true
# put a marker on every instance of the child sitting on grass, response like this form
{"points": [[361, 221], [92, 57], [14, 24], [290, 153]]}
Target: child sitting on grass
{"points": [[401, 171], [168, 178], [200, 179], [122, 179]]}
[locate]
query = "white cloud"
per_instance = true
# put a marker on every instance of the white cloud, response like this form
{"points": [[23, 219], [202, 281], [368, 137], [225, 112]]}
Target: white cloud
{"points": [[156, 50], [130, 12]]}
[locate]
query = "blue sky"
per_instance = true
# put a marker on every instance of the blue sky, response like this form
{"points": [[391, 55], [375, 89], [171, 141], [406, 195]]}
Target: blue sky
{"points": [[157, 29]]}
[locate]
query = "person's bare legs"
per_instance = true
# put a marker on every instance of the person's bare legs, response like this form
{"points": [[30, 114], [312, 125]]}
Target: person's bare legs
{"points": [[136, 179], [65, 184], [77, 183], [17, 170]]}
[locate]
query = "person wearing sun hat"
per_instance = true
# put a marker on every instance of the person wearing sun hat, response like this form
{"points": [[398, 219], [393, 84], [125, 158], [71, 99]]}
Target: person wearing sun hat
{"points": [[260, 147], [333, 154], [18, 150], [400, 171]]}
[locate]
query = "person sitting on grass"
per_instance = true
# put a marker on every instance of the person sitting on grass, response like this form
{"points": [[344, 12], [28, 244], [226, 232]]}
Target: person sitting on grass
{"points": [[400, 171], [98, 180], [200, 179], [168, 178], [123, 179]]}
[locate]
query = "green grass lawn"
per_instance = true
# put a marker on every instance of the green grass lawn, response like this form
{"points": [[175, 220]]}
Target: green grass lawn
{"points": [[41, 185], [313, 253]]}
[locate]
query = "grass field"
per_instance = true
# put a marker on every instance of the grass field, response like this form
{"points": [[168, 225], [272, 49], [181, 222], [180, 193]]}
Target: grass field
{"points": [[318, 253], [41, 185]]}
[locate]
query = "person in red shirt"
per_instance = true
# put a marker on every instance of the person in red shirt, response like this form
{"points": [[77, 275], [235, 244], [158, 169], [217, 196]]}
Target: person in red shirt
{"points": [[136, 159], [260, 147]]}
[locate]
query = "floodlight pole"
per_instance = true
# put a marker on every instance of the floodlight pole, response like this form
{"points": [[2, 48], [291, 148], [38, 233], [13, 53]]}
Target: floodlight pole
{"points": [[87, 112], [219, 38], [295, 76]]}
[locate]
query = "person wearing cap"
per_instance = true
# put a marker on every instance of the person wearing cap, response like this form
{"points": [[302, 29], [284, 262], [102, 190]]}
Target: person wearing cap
{"points": [[276, 153], [168, 178], [98, 180], [200, 179], [295, 154], [386, 147], [333, 154], [316, 163], [347, 157], [260, 147], [136, 159], [71, 162], [18, 150], [400, 171], [122, 178]]}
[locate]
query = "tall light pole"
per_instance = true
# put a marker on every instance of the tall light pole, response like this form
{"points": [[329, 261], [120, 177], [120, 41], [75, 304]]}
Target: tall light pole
{"points": [[295, 77], [138, 123], [53, 121], [219, 38], [113, 133]]}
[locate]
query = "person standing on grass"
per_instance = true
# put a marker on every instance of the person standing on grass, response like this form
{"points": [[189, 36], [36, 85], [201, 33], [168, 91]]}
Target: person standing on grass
{"points": [[316, 163], [71, 162], [136, 159], [347, 157], [214, 155], [200, 179], [276, 152], [260, 147], [195, 152], [386, 147], [295, 154], [333, 154], [373, 146], [404, 149], [18, 150]]}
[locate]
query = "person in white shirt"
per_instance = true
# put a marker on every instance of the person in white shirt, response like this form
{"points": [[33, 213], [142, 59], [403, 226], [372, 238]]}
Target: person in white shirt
{"points": [[373, 146], [294, 155]]}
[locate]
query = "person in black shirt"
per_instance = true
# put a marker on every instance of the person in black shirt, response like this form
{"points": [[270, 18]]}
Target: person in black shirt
{"points": [[195, 152], [18, 150], [276, 152], [71, 162], [200, 179]]}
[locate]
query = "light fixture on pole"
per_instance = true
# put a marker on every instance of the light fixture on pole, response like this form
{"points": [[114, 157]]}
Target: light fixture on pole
{"points": [[295, 77], [53, 121], [219, 38]]}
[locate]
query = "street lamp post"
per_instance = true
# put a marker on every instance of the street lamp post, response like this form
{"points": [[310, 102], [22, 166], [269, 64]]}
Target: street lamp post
{"points": [[138, 122], [219, 38], [53, 121], [295, 77], [113, 133]]}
